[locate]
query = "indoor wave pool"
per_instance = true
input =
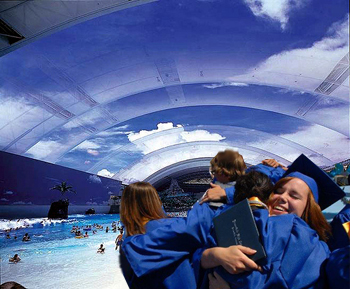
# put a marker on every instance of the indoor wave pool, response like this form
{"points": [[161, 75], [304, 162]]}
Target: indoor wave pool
{"points": [[54, 258]]}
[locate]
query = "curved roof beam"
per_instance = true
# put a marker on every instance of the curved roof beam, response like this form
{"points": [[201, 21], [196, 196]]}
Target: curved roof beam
{"points": [[35, 19], [301, 107], [242, 136], [149, 164], [125, 110], [73, 140]]}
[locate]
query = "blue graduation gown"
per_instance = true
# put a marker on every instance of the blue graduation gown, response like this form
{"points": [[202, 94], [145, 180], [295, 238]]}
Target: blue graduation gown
{"points": [[295, 256], [167, 245], [340, 238], [338, 268], [275, 174]]}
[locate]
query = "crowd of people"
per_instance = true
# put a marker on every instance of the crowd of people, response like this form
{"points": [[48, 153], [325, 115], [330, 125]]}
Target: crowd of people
{"points": [[302, 249], [179, 203], [77, 231]]}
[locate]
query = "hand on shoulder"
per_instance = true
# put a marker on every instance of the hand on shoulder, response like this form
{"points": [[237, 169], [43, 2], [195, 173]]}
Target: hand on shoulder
{"points": [[214, 194]]}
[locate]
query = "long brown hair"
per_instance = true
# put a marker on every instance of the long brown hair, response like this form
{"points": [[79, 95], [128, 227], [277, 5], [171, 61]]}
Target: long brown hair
{"points": [[312, 214], [229, 163], [140, 203]]}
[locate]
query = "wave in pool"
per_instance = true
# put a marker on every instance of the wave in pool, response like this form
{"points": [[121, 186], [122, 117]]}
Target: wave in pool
{"points": [[29, 223]]}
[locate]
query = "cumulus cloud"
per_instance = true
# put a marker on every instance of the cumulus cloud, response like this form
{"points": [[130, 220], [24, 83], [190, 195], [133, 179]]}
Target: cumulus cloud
{"points": [[8, 193], [217, 85], [160, 127], [95, 179], [4, 200], [105, 173], [87, 162], [200, 135], [93, 152], [275, 10], [110, 193], [175, 135]]}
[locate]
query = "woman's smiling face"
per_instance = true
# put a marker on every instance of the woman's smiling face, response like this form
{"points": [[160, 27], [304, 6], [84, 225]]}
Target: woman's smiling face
{"points": [[290, 198]]}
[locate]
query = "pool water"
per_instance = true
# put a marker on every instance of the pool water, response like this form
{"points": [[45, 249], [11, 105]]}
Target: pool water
{"points": [[54, 258]]}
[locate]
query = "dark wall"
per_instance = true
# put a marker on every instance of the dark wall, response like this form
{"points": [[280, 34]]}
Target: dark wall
{"points": [[27, 181]]}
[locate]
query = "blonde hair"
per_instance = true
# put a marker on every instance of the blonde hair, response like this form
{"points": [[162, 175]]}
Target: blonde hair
{"points": [[228, 163], [312, 213], [140, 203]]}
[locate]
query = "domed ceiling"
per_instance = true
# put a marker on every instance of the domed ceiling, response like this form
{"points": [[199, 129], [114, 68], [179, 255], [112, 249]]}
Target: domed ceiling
{"points": [[126, 89]]}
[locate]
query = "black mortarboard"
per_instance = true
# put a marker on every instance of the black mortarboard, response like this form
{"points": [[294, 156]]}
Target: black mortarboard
{"points": [[326, 192]]}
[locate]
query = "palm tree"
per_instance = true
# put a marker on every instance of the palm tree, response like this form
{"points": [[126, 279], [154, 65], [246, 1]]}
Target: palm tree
{"points": [[63, 188]]}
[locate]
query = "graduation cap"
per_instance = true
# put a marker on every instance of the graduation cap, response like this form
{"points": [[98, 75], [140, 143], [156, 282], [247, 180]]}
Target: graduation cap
{"points": [[326, 192]]}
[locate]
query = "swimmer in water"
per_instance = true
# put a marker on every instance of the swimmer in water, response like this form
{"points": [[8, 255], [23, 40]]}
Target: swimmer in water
{"points": [[26, 238], [15, 259], [101, 250]]}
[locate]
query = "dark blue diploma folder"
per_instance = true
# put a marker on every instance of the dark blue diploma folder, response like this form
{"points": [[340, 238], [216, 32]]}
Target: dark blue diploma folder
{"points": [[236, 226]]}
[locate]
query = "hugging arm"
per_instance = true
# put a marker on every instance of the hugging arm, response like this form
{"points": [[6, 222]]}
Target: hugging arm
{"points": [[170, 242]]}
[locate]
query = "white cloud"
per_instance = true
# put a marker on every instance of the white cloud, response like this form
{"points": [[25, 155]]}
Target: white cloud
{"points": [[109, 133], [290, 91], [304, 68], [42, 149], [93, 152], [160, 127], [129, 181], [223, 84], [87, 162], [200, 135], [110, 193], [105, 173], [12, 108], [275, 10], [8, 193], [95, 179], [4, 200], [330, 144], [337, 36], [115, 131], [175, 135]]}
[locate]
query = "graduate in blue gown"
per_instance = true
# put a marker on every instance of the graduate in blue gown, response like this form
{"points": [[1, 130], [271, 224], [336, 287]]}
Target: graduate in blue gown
{"points": [[338, 267], [142, 247], [174, 239], [296, 257], [141, 212], [340, 237], [218, 193]]}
